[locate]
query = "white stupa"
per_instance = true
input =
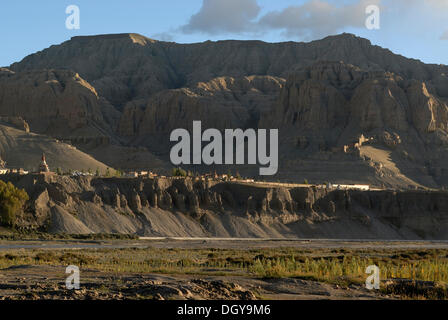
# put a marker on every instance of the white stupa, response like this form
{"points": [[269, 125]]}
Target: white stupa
{"points": [[43, 166]]}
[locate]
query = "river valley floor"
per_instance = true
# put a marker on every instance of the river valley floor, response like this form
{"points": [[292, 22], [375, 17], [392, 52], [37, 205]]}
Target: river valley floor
{"points": [[229, 269]]}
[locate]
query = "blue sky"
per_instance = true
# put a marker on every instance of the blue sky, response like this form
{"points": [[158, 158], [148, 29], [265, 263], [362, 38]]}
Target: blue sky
{"points": [[414, 28]]}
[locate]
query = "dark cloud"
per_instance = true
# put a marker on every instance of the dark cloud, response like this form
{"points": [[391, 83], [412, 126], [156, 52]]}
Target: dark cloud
{"points": [[224, 16]]}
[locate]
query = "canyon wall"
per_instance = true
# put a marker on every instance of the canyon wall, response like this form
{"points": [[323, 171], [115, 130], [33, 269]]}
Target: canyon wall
{"points": [[111, 94], [184, 207]]}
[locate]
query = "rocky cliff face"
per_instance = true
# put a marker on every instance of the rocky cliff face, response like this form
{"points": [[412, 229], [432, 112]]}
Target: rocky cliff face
{"points": [[55, 102], [146, 66], [323, 96], [331, 95], [183, 207], [220, 103], [331, 104]]}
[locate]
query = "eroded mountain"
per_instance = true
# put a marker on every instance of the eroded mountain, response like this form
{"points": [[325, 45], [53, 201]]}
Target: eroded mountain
{"points": [[347, 111]]}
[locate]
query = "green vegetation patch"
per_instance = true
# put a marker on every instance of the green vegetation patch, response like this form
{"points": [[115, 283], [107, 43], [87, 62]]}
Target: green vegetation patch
{"points": [[407, 273], [12, 201]]}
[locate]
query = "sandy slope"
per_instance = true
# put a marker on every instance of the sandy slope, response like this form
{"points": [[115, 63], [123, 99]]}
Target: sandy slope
{"points": [[21, 149]]}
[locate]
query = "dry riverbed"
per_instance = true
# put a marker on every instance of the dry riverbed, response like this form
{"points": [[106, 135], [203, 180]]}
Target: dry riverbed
{"points": [[222, 269], [48, 282]]}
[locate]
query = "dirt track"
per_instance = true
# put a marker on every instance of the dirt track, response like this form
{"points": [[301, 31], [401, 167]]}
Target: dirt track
{"points": [[223, 243]]}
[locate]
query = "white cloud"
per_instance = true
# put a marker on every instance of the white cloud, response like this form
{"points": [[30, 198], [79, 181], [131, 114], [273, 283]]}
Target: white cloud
{"points": [[317, 18], [224, 16], [441, 4], [430, 4], [313, 19], [444, 36], [163, 36]]}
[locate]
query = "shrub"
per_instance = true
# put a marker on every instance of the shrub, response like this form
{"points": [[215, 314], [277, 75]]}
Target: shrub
{"points": [[12, 201], [119, 173], [178, 172]]}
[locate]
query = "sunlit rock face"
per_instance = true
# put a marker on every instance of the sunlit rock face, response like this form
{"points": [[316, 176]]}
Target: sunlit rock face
{"points": [[119, 93]]}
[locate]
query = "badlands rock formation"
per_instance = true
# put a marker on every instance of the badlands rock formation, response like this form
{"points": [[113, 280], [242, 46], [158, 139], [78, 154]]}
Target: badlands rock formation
{"points": [[55, 102], [348, 111], [183, 207]]}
